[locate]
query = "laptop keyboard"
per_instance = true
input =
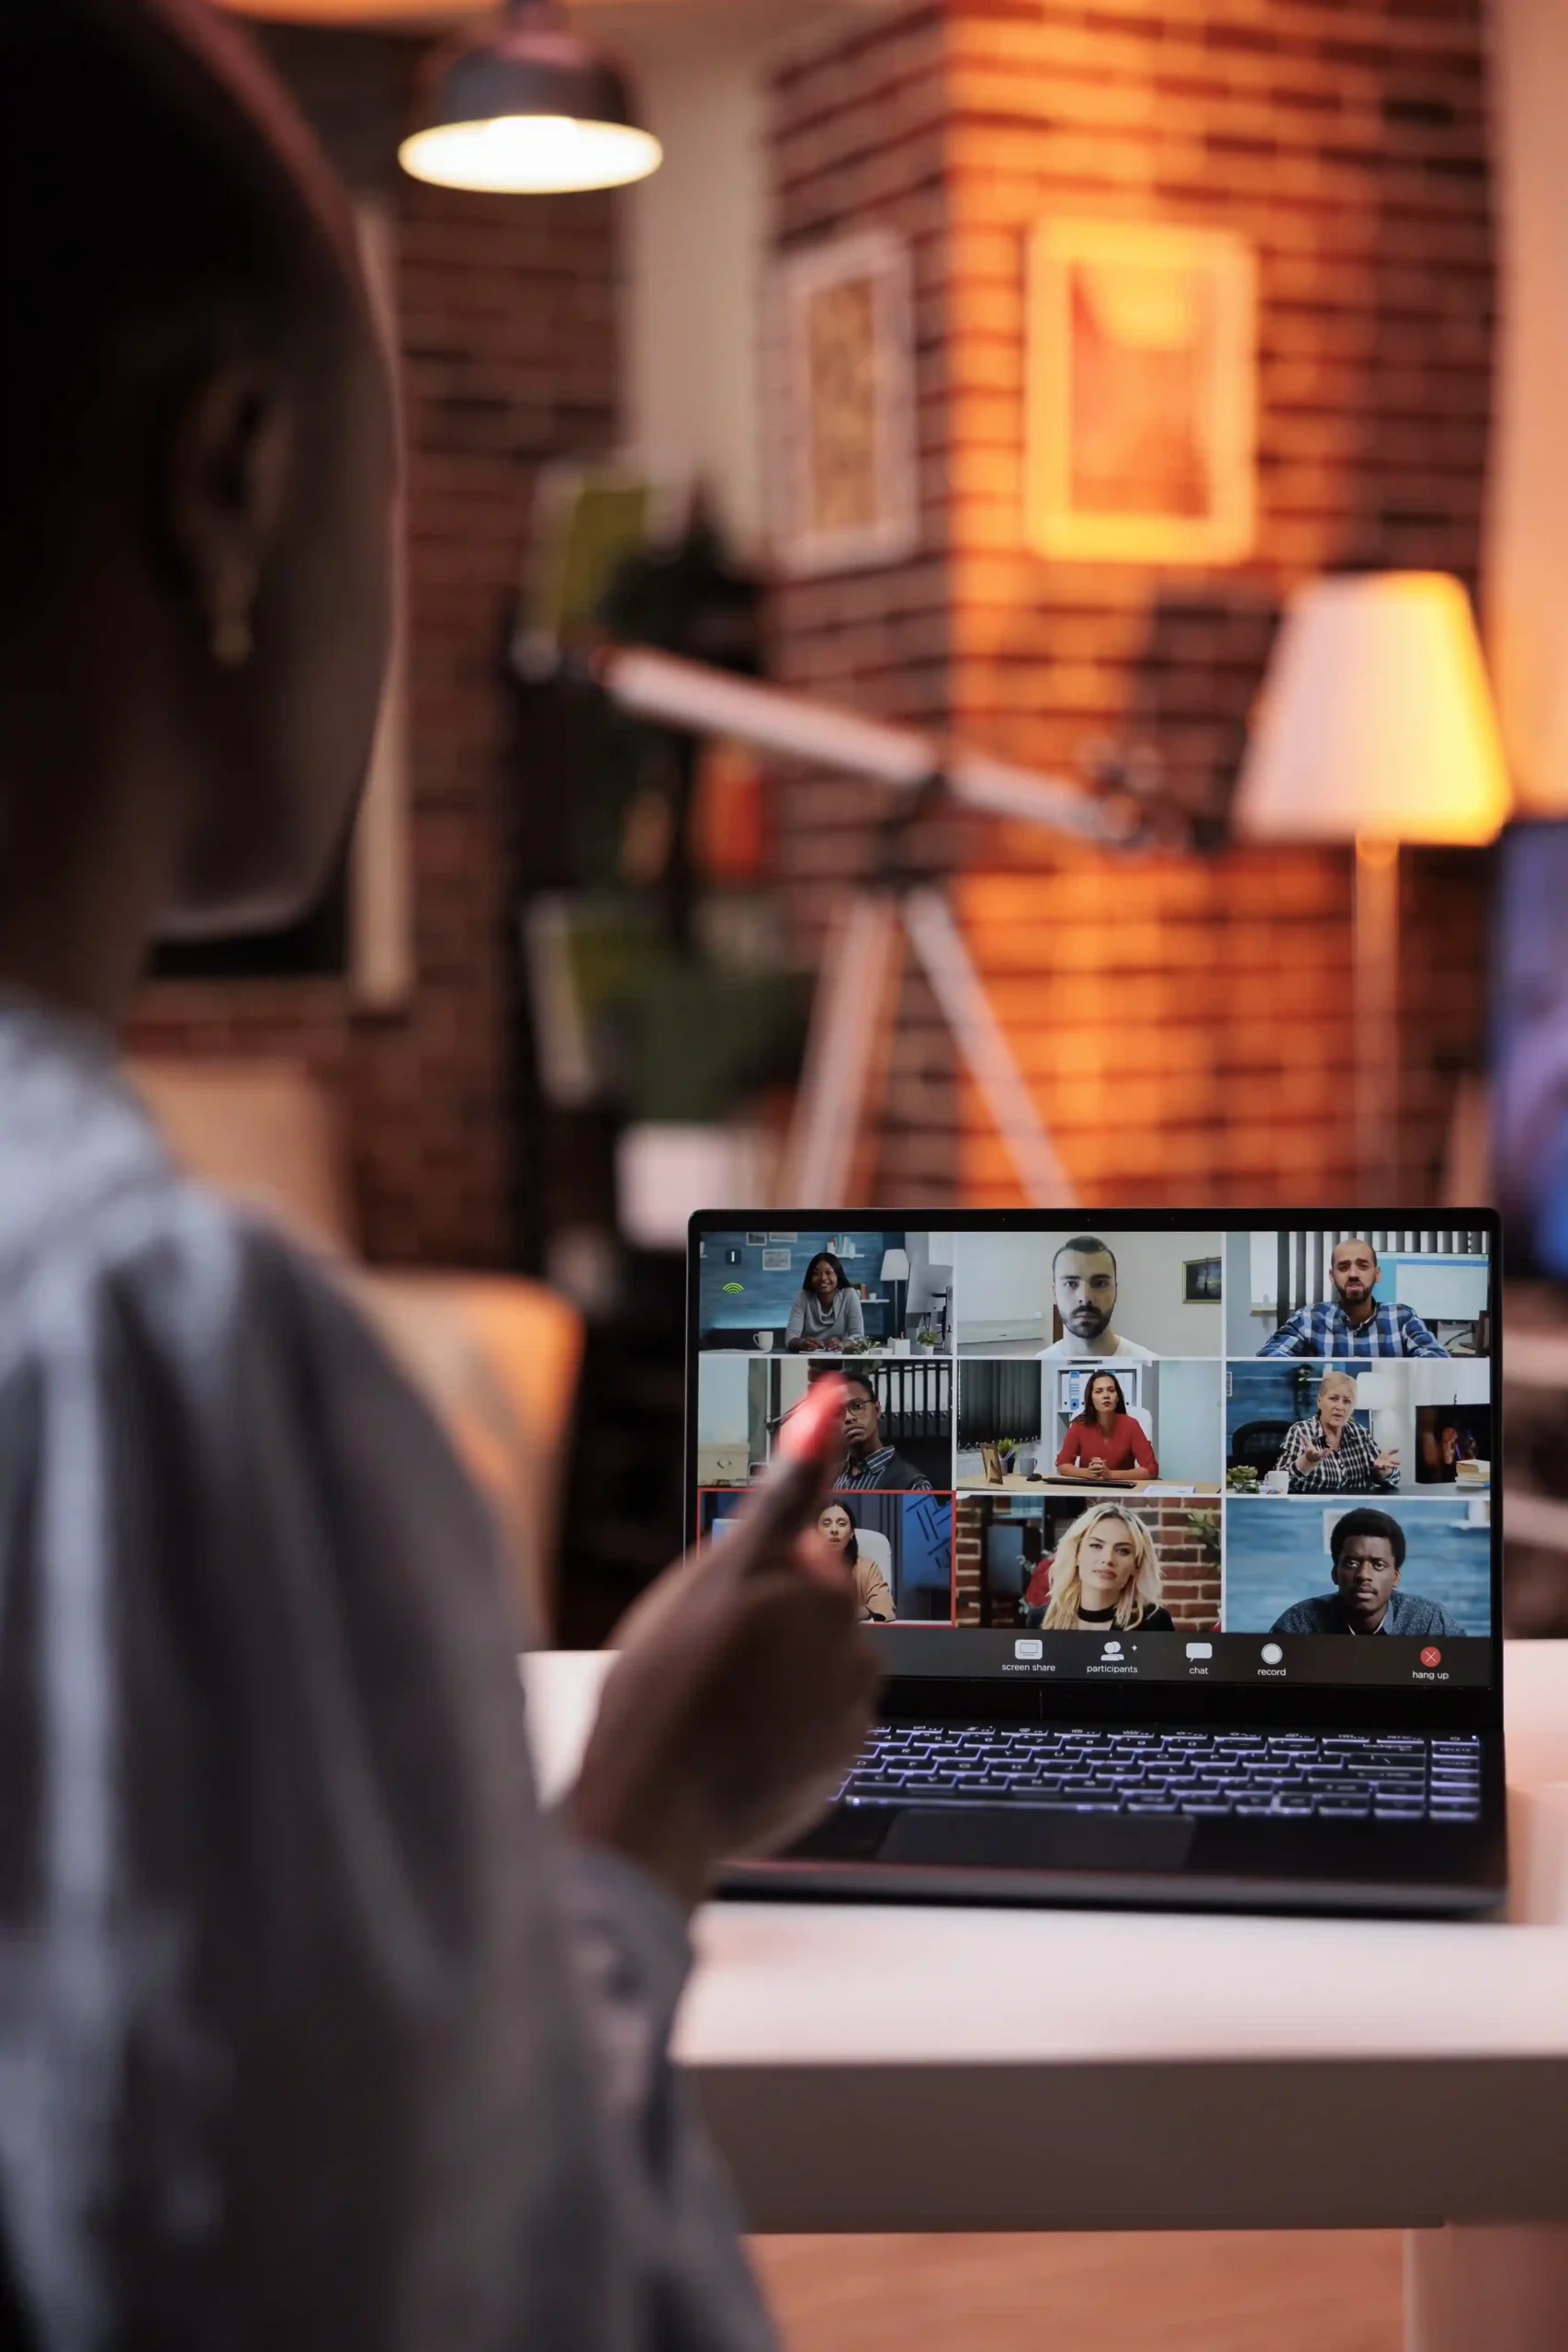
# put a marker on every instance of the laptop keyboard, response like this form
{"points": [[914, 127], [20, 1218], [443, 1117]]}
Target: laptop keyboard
{"points": [[1254, 1776]]}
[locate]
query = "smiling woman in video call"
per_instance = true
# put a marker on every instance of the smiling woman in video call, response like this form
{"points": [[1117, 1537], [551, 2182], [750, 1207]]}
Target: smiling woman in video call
{"points": [[1105, 1578], [827, 1310], [315, 2030]]}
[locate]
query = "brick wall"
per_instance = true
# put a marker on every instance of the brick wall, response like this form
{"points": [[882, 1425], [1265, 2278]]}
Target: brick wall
{"points": [[1185, 1021], [860, 138], [1191, 1579], [509, 359]]}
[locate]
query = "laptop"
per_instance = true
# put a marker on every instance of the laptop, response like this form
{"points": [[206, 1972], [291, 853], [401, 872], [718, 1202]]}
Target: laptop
{"points": [[1179, 1542]]}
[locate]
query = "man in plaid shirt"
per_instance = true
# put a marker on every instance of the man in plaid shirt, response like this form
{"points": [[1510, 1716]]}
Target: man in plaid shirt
{"points": [[1353, 1323]]}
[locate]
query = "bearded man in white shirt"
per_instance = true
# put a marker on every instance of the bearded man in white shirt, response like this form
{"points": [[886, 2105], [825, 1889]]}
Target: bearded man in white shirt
{"points": [[1085, 1283]]}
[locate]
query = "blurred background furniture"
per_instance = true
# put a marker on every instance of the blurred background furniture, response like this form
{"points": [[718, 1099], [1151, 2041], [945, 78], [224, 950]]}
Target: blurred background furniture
{"points": [[1257, 1445], [497, 1355]]}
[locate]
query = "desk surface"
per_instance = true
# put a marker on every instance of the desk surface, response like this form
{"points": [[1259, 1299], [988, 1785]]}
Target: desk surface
{"points": [[1012, 1484], [892, 2067]]}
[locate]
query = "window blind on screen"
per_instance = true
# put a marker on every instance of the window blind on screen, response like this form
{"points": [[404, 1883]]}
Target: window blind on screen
{"points": [[999, 1400]]}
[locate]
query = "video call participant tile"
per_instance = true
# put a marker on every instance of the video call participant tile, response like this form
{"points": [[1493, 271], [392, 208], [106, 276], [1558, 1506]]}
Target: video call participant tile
{"points": [[897, 1547], [1359, 1427], [1095, 1426], [1081, 1297], [897, 1417], [801, 1293], [1395, 1566], [1097, 1565], [1339, 1296]]}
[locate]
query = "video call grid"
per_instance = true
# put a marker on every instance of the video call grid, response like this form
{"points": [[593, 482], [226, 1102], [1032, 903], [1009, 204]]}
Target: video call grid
{"points": [[1252, 1548]]}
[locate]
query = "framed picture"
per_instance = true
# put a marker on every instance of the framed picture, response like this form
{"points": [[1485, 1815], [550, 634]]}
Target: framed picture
{"points": [[1142, 393], [845, 382], [1201, 1282], [992, 1462], [756, 1240], [775, 1261], [1454, 1445]]}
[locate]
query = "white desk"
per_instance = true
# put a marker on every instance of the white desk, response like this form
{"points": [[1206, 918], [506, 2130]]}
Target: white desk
{"points": [[898, 2068]]}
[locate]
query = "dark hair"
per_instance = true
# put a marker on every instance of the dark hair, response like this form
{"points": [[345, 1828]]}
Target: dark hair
{"points": [[1088, 1393], [824, 1258], [1367, 1523], [859, 1374], [851, 1549], [1088, 1244], [193, 206]]}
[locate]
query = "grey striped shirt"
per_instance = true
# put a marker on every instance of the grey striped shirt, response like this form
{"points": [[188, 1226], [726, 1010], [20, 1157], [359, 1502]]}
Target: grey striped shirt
{"points": [[313, 2032]]}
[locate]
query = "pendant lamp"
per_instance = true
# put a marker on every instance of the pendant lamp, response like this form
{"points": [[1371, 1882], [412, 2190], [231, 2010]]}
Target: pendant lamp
{"points": [[527, 107]]}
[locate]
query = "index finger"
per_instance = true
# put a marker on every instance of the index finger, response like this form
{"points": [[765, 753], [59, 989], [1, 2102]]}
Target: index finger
{"points": [[782, 1506]]}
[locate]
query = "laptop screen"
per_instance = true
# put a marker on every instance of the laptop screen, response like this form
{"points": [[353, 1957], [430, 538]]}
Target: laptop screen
{"points": [[1123, 1451]]}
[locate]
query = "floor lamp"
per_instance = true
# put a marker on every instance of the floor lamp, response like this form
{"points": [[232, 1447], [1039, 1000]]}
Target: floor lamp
{"points": [[1376, 727]]}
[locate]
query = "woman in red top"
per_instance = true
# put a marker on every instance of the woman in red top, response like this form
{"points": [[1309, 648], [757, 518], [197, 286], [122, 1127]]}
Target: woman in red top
{"points": [[1105, 1445]]}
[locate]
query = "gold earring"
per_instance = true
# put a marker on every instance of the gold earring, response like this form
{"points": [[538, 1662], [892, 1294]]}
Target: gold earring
{"points": [[234, 641]]}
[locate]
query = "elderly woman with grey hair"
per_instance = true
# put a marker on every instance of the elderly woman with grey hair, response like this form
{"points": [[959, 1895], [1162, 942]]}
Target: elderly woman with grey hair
{"points": [[1331, 1453]]}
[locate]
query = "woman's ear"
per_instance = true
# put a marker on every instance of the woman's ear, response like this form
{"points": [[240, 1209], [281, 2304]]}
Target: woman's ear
{"points": [[231, 452]]}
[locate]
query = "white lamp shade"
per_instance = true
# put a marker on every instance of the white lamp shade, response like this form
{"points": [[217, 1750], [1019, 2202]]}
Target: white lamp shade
{"points": [[1376, 720], [896, 1266], [531, 154]]}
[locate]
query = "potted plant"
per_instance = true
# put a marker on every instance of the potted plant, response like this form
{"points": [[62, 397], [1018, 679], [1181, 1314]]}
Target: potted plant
{"points": [[1205, 1526]]}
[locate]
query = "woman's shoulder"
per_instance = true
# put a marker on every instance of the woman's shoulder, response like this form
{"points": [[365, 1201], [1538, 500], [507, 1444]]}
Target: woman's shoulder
{"points": [[165, 1282]]}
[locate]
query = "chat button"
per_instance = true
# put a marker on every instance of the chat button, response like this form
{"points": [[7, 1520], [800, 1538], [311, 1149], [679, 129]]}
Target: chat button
{"points": [[1199, 1650]]}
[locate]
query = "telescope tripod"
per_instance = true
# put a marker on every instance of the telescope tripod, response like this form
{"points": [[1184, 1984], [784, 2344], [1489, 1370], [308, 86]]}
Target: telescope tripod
{"points": [[854, 1017]]}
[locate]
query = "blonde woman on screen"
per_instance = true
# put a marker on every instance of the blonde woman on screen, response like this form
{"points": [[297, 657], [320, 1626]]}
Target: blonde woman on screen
{"points": [[1106, 1577]]}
